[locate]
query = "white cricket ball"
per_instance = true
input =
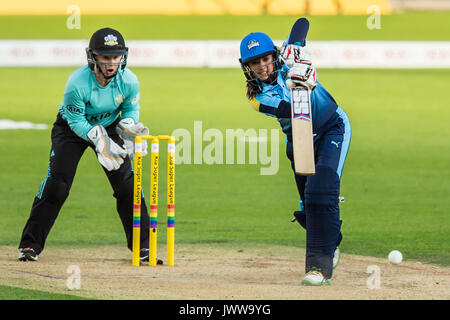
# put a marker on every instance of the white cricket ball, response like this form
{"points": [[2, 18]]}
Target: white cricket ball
{"points": [[395, 257]]}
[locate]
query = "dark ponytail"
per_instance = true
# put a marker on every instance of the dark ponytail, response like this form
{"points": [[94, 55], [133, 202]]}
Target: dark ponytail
{"points": [[252, 89]]}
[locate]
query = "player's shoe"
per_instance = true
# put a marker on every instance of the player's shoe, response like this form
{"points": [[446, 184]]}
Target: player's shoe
{"points": [[144, 256], [336, 257], [27, 254], [315, 278]]}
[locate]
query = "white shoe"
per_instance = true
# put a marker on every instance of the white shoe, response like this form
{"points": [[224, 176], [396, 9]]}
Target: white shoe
{"points": [[336, 257], [315, 278], [27, 254]]}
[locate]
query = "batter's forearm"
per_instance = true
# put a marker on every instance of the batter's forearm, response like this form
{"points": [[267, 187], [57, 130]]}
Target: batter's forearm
{"points": [[283, 110]]}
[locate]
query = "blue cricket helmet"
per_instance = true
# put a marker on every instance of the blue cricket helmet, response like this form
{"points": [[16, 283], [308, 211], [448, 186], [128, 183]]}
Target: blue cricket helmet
{"points": [[256, 45]]}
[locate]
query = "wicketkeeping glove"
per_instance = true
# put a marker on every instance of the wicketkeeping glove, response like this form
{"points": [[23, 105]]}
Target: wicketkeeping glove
{"points": [[128, 131], [109, 154]]}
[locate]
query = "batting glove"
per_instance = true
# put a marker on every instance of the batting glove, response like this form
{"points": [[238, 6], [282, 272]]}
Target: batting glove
{"points": [[291, 54], [302, 74], [109, 154]]}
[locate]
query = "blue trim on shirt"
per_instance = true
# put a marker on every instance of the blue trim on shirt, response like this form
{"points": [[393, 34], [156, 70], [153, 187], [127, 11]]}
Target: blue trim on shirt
{"points": [[346, 141]]}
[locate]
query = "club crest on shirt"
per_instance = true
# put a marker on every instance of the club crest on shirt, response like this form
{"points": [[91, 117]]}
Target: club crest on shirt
{"points": [[111, 40], [119, 99]]}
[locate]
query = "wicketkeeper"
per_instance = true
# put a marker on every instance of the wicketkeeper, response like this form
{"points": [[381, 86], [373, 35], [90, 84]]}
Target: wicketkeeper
{"points": [[98, 97]]}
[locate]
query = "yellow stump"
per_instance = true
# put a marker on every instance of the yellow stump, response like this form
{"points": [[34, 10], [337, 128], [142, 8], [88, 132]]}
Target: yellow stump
{"points": [[171, 202], [154, 177], [154, 172], [137, 200]]}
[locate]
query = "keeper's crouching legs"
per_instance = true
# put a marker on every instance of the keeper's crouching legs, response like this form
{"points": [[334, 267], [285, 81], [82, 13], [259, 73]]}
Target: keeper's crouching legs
{"points": [[45, 209], [122, 182]]}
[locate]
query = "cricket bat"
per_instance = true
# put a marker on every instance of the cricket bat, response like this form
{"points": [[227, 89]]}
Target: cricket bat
{"points": [[301, 115]]}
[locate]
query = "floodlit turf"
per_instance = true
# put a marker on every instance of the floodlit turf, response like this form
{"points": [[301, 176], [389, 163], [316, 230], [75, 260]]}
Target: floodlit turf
{"points": [[13, 293], [407, 26]]}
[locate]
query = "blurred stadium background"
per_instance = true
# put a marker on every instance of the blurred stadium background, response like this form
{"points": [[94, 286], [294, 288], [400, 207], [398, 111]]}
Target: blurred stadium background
{"points": [[220, 7], [68, 50]]}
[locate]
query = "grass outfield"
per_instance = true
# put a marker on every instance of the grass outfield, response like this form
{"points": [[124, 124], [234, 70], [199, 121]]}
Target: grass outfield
{"points": [[406, 26], [395, 180], [13, 293]]}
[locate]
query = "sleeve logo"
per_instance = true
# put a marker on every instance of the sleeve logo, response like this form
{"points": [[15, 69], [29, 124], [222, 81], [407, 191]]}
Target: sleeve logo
{"points": [[135, 99], [74, 109]]}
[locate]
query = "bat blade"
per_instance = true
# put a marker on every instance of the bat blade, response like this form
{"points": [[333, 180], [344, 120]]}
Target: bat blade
{"points": [[301, 115], [302, 136]]}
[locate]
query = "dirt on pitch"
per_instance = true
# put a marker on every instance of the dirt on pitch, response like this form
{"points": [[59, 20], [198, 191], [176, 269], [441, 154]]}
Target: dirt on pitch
{"points": [[218, 271]]}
